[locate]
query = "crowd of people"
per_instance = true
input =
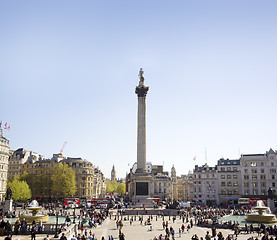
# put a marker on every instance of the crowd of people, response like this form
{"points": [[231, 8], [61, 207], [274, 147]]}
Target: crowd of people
{"points": [[89, 219]]}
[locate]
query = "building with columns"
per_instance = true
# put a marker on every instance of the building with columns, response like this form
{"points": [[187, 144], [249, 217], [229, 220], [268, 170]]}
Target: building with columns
{"points": [[4, 159]]}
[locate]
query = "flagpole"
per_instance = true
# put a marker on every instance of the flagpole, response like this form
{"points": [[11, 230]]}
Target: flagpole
{"points": [[206, 156]]}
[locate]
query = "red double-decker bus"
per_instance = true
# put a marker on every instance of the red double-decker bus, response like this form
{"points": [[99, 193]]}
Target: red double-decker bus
{"points": [[71, 202]]}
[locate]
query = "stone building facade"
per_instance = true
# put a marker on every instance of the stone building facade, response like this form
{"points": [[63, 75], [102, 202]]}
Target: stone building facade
{"points": [[4, 159], [258, 173], [90, 181], [18, 158], [205, 185], [229, 179]]}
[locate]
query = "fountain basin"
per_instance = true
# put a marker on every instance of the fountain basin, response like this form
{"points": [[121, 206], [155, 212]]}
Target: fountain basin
{"points": [[34, 208], [261, 214], [36, 218]]}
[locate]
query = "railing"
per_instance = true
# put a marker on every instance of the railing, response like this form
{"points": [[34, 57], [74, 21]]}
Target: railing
{"points": [[48, 228]]}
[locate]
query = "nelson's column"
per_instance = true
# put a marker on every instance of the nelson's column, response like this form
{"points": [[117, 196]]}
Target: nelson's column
{"points": [[140, 183]]}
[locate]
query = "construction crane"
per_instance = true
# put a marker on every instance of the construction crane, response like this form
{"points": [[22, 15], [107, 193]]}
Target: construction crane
{"points": [[61, 152]]}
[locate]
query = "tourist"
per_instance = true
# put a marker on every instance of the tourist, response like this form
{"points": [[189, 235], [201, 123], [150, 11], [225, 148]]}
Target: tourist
{"points": [[23, 226], [40, 227], [9, 237], [63, 237], [33, 233], [8, 228], [16, 226], [47, 238]]}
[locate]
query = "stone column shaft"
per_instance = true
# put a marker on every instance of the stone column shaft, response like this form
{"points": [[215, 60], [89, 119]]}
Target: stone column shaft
{"points": [[141, 135]]}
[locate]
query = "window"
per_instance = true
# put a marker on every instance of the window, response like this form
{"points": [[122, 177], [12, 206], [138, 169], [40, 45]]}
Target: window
{"points": [[263, 184], [236, 191], [262, 170], [273, 184], [229, 176], [245, 170], [246, 184], [223, 184], [235, 168], [254, 171], [235, 176], [272, 176], [255, 184], [222, 176], [262, 176], [254, 177], [272, 164], [229, 191], [262, 164], [223, 191], [272, 170], [228, 168], [235, 184], [229, 184], [253, 164], [222, 169], [246, 177]]}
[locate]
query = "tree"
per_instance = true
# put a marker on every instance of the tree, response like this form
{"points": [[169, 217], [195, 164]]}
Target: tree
{"points": [[64, 182], [20, 189], [114, 186], [111, 185], [121, 188], [40, 184]]}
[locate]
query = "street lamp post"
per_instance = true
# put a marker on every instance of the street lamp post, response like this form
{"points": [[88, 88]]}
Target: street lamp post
{"points": [[57, 220], [74, 213]]}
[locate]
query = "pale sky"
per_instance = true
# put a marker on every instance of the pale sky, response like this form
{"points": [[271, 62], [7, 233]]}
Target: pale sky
{"points": [[68, 72]]}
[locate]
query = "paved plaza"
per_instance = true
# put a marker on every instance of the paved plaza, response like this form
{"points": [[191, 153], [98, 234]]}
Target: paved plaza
{"points": [[136, 231]]}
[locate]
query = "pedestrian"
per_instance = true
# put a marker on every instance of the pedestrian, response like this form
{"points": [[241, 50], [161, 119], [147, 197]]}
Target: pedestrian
{"points": [[33, 233], [23, 226], [46, 238], [63, 237]]}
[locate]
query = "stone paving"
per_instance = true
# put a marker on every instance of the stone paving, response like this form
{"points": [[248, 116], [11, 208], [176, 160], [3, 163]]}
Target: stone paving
{"points": [[136, 231]]}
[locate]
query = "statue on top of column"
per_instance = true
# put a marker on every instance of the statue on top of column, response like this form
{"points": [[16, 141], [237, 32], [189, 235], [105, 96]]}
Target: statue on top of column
{"points": [[141, 78]]}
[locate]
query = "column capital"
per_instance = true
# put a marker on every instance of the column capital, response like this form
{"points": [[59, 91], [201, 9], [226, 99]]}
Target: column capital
{"points": [[141, 91]]}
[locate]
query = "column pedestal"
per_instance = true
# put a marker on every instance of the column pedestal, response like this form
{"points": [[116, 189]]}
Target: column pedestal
{"points": [[8, 205]]}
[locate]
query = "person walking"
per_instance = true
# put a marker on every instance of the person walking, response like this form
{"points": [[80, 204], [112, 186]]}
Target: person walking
{"points": [[33, 233]]}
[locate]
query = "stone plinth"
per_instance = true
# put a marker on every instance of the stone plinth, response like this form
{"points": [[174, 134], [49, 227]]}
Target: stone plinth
{"points": [[8, 205]]}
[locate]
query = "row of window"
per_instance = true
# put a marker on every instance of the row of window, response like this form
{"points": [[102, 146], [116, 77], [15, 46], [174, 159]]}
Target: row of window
{"points": [[256, 192], [256, 164], [262, 170], [229, 184], [229, 191], [246, 177], [229, 176], [228, 169]]}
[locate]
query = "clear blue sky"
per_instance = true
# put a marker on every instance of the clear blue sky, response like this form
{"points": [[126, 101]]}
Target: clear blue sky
{"points": [[68, 71]]}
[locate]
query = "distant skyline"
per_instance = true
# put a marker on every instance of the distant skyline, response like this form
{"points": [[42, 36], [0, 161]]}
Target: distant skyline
{"points": [[69, 71]]}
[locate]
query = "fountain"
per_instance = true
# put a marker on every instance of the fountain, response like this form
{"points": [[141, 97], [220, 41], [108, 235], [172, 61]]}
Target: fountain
{"points": [[34, 208], [261, 214]]}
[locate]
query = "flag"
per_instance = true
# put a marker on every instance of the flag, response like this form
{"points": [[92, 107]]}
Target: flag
{"points": [[7, 127], [194, 159]]}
